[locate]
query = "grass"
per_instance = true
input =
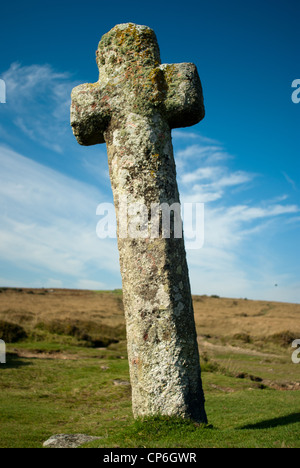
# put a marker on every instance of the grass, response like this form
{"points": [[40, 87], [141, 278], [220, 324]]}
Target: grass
{"points": [[11, 332], [60, 395], [57, 381], [42, 397]]}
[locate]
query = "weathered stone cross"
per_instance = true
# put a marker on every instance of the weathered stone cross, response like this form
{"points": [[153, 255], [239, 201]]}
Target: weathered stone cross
{"points": [[132, 108]]}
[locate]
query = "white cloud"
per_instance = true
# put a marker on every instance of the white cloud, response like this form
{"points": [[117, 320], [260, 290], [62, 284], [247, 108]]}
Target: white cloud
{"points": [[201, 173], [218, 177], [202, 152], [234, 260], [49, 228], [90, 284], [197, 152], [53, 283], [39, 99], [185, 134], [225, 265], [49, 223], [180, 134], [294, 219], [48, 220], [24, 82], [235, 178], [290, 181], [243, 213], [209, 183]]}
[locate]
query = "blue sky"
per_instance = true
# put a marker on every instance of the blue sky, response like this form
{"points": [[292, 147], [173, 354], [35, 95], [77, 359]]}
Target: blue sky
{"points": [[242, 160]]}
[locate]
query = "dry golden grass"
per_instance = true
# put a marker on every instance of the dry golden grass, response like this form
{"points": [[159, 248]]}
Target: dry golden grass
{"points": [[219, 317], [225, 317], [29, 307]]}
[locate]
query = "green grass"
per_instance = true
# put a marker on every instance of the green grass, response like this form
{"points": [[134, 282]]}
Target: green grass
{"points": [[42, 397]]}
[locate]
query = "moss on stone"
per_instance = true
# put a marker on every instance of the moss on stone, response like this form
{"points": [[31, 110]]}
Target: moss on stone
{"points": [[133, 106]]}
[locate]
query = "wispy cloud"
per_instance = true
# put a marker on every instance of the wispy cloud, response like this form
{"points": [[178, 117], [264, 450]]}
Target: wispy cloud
{"points": [[185, 134], [204, 151], [233, 221], [235, 260], [290, 181], [38, 99], [208, 183], [48, 220], [207, 152], [48, 224]]}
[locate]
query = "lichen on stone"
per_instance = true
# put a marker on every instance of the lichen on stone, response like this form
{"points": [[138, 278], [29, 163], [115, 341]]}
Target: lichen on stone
{"points": [[133, 107]]}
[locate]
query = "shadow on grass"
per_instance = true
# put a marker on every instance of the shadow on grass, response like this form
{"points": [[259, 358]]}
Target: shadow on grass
{"points": [[268, 423], [13, 361]]}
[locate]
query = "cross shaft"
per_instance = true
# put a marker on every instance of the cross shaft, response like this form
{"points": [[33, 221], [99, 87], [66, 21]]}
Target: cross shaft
{"points": [[132, 108]]}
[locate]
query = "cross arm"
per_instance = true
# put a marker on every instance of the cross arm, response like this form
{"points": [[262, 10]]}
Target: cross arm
{"points": [[184, 99], [90, 113]]}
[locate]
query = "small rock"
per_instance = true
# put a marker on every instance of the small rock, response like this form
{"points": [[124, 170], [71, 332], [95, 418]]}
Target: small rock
{"points": [[68, 440], [121, 382]]}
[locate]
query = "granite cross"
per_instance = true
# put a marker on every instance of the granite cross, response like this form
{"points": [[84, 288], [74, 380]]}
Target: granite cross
{"points": [[132, 108]]}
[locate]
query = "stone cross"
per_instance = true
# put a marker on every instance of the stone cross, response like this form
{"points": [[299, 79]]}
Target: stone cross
{"points": [[132, 108]]}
